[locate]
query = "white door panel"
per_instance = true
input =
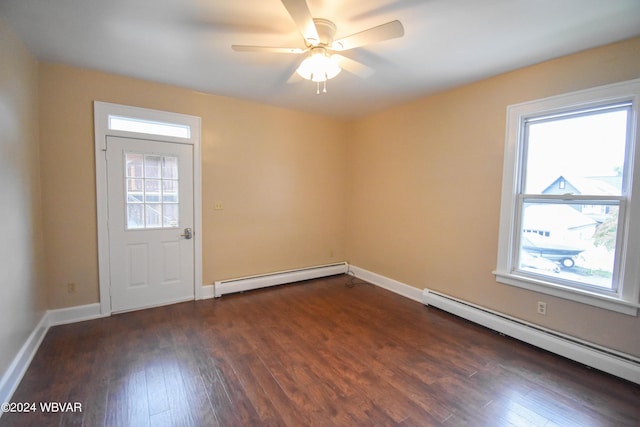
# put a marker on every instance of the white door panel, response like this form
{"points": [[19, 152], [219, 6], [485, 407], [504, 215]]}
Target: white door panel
{"points": [[150, 199]]}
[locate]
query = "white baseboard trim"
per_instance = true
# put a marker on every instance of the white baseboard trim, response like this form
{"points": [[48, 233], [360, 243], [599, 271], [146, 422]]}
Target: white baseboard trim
{"points": [[613, 362], [62, 316], [207, 292], [13, 375], [16, 370], [387, 283], [278, 278]]}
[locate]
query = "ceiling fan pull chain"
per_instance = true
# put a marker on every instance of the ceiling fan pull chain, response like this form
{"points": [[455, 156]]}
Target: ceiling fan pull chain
{"points": [[324, 87], [317, 88]]}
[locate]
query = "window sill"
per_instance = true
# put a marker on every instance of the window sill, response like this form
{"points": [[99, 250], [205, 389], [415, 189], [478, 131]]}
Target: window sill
{"points": [[584, 297]]}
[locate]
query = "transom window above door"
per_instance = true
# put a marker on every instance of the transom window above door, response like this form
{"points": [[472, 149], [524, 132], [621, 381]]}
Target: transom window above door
{"points": [[132, 124], [151, 191]]}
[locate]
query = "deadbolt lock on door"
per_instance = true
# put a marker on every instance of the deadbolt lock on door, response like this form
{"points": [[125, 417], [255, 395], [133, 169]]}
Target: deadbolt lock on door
{"points": [[188, 233]]}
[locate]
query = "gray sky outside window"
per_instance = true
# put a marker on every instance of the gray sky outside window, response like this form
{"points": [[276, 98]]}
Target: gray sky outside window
{"points": [[579, 148]]}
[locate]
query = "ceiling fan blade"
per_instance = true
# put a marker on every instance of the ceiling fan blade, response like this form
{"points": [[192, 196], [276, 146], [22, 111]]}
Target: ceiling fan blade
{"points": [[354, 67], [267, 49], [301, 15], [387, 31]]}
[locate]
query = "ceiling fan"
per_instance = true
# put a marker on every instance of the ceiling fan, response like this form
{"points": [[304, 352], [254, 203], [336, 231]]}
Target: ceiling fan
{"points": [[323, 61]]}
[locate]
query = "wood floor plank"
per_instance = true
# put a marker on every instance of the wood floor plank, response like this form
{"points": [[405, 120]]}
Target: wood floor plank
{"points": [[189, 403], [321, 352]]}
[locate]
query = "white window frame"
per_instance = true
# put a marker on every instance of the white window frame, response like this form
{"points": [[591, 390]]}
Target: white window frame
{"points": [[626, 298]]}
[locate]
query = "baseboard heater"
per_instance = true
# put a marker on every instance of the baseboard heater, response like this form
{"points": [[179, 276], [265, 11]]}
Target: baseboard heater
{"points": [[278, 278], [616, 363]]}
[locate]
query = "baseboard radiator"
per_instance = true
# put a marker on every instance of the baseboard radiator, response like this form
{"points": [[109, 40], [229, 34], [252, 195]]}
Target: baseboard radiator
{"points": [[607, 360], [278, 278]]}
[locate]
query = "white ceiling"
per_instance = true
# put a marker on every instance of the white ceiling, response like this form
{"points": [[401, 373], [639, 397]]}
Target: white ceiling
{"points": [[188, 43]]}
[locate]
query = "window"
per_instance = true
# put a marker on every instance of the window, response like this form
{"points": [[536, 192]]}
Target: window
{"points": [[132, 124], [151, 191], [569, 217]]}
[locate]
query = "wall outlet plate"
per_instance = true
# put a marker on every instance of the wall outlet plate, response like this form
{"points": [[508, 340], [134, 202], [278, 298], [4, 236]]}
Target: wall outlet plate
{"points": [[542, 308]]}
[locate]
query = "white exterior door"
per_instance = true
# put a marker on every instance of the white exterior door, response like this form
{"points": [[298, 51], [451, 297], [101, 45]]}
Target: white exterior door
{"points": [[150, 222]]}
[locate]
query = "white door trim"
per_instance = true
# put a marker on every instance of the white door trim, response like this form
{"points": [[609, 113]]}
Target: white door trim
{"points": [[102, 111]]}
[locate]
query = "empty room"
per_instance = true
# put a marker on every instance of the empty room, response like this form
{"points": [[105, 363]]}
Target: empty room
{"points": [[320, 212]]}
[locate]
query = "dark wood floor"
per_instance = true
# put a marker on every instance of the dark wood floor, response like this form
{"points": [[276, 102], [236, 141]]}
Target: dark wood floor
{"points": [[318, 353]]}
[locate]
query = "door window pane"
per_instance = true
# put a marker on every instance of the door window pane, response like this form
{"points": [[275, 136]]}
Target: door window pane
{"points": [[169, 167], [135, 164], [170, 215], [153, 215], [135, 190], [135, 216], [152, 166], [152, 190], [170, 191], [152, 185]]}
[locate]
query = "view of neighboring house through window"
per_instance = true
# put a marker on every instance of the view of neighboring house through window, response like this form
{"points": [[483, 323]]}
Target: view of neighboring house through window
{"points": [[573, 167], [570, 214]]}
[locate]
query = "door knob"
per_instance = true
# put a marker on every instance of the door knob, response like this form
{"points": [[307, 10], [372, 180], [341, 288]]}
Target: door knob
{"points": [[188, 234]]}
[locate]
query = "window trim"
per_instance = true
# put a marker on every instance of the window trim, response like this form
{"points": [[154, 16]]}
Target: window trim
{"points": [[626, 299]]}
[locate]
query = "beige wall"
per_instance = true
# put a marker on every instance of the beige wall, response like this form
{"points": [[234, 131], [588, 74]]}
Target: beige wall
{"points": [[425, 182], [279, 174], [22, 294]]}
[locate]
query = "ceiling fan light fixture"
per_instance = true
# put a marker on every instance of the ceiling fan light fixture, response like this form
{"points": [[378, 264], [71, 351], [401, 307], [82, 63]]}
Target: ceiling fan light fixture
{"points": [[324, 61], [318, 67]]}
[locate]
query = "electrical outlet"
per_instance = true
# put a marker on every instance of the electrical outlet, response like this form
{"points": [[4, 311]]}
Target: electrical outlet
{"points": [[71, 288], [542, 308]]}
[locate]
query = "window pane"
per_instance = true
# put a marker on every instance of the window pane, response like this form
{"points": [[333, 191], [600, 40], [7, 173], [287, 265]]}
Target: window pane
{"points": [[580, 154], [170, 217], [152, 166], [135, 218], [569, 241], [169, 167], [170, 191], [131, 124], [134, 163], [135, 191], [153, 215], [152, 190]]}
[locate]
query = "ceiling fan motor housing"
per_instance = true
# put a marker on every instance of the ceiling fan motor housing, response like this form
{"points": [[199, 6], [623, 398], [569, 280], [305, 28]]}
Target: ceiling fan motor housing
{"points": [[326, 31]]}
